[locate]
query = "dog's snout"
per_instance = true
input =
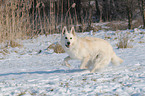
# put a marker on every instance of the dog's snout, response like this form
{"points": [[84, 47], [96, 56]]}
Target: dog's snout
{"points": [[68, 43]]}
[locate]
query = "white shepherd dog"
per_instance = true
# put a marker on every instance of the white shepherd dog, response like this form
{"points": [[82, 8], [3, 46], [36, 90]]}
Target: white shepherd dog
{"points": [[94, 53]]}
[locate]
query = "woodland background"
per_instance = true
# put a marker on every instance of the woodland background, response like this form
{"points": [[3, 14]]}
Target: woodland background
{"points": [[22, 19]]}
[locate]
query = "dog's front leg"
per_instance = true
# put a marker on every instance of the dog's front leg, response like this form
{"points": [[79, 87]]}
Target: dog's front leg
{"points": [[84, 63], [66, 61]]}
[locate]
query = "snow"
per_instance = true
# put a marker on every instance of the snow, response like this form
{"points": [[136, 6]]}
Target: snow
{"points": [[25, 71]]}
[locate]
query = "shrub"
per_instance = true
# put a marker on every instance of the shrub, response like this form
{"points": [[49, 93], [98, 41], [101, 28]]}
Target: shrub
{"points": [[124, 40], [56, 47]]}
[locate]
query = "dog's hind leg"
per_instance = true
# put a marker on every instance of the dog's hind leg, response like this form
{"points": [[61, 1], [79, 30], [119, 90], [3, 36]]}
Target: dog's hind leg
{"points": [[100, 63], [66, 61]]}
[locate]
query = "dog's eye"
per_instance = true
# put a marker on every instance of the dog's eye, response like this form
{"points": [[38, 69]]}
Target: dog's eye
{"points": [[65, 37], [70, 37]]}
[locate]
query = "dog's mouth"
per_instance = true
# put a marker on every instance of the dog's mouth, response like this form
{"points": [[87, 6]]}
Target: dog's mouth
{"points": [[67, 45]]}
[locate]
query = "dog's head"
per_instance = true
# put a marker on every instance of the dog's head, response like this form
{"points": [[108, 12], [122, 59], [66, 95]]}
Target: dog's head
{"points": [[68, 38]]}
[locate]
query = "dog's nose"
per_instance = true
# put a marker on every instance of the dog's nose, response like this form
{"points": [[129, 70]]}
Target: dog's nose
{"points": [[68, 43]]}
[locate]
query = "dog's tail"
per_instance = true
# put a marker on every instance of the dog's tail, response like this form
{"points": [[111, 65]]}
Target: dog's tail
{"points": [[116, 60]]}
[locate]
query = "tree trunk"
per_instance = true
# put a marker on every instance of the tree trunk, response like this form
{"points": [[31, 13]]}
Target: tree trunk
{"points": [[129, 14], [105, 15], [78, 9], [142, 12], [97, 9]]}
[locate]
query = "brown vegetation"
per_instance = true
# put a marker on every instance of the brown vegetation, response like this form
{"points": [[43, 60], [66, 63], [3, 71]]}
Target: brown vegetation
{"points": [[124, 40], [56, 47], [22, 19]]}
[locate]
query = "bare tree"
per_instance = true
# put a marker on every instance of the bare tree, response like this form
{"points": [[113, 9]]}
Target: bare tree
{"points": [[129, 13], [97, 9], [141, 7], [78, 9]]}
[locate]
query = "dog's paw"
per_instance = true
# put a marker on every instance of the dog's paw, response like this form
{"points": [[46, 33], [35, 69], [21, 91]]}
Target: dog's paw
{"points": [[81, 68], [92, 71], [68, 65], [84, 67]]}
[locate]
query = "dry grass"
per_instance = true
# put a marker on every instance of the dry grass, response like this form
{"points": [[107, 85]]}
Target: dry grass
{"points": [[13, 20], [123, 25], [4, 51], [125, 40], [56, 47], [117, 25], [7, 44], [21, 19], [141, 42], [13, 44]]}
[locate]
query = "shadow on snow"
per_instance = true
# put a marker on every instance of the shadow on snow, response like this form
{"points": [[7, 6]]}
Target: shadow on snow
{"points": [[46, 72]]}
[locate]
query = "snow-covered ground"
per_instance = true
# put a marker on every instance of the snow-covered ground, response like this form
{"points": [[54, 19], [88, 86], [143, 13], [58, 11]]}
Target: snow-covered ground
{"points": [[26, 72]]}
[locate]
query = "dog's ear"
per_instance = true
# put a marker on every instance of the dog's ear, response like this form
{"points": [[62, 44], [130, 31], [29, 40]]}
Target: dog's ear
{"points": [[64, 30], [73, 31]]}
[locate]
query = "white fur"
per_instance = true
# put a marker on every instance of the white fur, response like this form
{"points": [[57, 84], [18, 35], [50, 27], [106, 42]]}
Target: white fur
{"points": [[93, 52]]}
